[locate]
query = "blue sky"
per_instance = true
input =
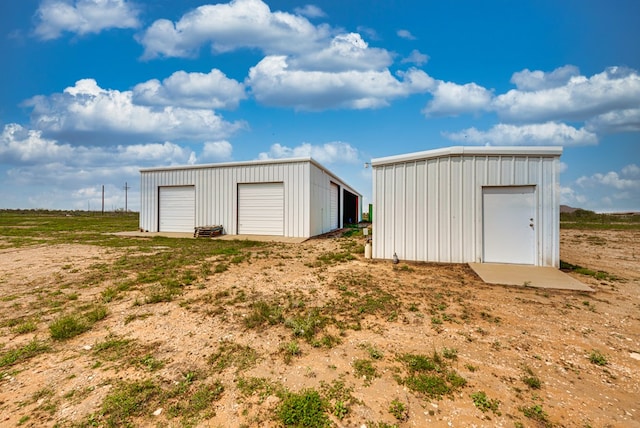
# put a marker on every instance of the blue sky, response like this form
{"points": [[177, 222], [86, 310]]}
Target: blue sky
{"points": [[93, 90]]}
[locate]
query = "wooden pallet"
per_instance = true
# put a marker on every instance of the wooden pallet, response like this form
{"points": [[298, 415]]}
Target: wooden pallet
{"points": [[207, 231]]}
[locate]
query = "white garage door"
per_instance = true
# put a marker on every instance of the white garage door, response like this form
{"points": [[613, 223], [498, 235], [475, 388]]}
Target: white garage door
{"points": [[261, 209], [333, 194], [509, 224], [177, 209]]}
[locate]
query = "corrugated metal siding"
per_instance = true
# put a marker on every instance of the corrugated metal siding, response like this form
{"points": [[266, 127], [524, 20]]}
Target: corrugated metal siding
{"points": [[217, 194], [306, 193], [431, 209]]}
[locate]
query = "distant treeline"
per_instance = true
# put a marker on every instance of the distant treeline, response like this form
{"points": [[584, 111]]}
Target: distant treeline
{"points": [[588, 219]]}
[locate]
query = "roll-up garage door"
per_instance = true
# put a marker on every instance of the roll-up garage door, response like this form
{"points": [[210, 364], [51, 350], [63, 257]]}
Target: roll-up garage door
{"points": [[334, 206], [261, 209], [177, 209]]}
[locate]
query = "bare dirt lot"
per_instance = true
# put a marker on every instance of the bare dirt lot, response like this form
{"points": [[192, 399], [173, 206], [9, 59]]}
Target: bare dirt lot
{"points": [[291, 318]]}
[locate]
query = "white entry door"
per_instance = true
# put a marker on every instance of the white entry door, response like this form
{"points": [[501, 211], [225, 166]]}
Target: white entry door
{"points": [[508, 217], [261, 209]]}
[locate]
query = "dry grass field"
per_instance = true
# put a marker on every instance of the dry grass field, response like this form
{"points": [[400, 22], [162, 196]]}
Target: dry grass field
{"points": [[98, 330]]}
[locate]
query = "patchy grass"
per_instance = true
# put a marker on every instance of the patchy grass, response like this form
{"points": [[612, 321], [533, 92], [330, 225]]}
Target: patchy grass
{"points": [[71, 325], [231, 354], [263, 313], [430, 376], [24, 326], [305, 409], [365, 370], [536, 413], [600, 275], [334, 302], [26, 352], [130, 399]]}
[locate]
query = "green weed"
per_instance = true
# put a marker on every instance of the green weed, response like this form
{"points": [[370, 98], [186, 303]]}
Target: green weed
{"points": [[484, 403], [430, 375], [305, 409], [290, 350], [398, 410], [306, 325], [263, 313], [530, 379], [536, 413], [597, 358], [364, 369]]}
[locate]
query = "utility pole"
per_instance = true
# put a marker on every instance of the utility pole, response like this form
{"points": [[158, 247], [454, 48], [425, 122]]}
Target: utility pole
{"points": [[126, 191]]}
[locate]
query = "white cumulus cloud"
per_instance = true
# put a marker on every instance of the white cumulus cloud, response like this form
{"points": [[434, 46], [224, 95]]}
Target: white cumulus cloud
{"points": [[88, 114], [310, 11], [550, 133], [610, 179], [273, 83], [216, 151], [416, 57], [58, 175], [83, 17], [452, 99], [627, 120], [213, 90], [229, 26], [21, 145], [611, 190], [345, 52], [580, 98], [527, 80], [405, 34], [328, 153]]}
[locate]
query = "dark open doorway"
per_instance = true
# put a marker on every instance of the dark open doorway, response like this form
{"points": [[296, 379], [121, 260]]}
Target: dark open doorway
{"points": [[350, 208]]}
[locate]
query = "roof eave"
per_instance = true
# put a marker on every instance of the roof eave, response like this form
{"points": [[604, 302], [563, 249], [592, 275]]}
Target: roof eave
{"points": [[470, 151]]}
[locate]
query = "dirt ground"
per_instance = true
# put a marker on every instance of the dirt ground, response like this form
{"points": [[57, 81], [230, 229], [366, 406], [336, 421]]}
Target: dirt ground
{"points": [[499, 333]]}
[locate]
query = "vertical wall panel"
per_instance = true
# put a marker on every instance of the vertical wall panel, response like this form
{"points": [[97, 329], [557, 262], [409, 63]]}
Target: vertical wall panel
{"points": [[216, 193], [430, 208]]}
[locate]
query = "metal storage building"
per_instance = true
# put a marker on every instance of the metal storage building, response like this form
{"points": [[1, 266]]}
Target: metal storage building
{"points": [[285, 197], [469, 204]]}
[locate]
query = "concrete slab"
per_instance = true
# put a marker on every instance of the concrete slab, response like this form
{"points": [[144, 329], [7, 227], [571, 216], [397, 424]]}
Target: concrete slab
{"points": [[527, 276], [138, 234], [259, 238]]}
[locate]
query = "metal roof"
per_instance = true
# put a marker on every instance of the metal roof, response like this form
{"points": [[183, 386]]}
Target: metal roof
{"points": [[470, 151], [256, 162]]}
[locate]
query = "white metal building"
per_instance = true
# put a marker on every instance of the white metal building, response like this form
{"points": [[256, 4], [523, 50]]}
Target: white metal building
{"points": [[469, 204], [285, 197]]}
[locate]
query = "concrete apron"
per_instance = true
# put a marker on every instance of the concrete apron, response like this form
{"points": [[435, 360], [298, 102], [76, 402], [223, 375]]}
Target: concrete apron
{"points": [[527, 276]]}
